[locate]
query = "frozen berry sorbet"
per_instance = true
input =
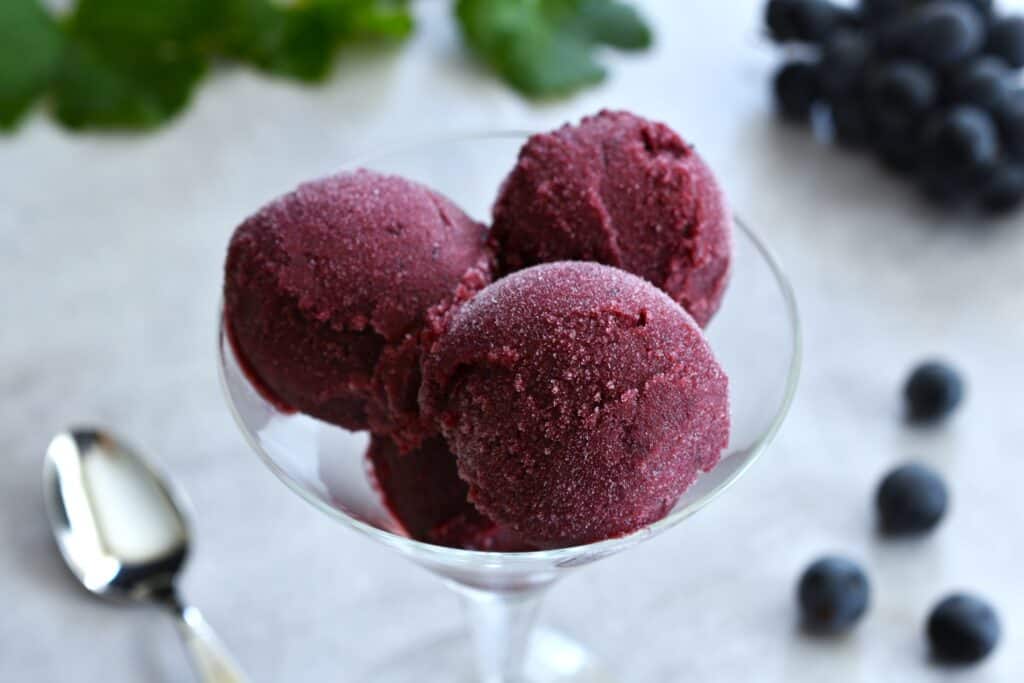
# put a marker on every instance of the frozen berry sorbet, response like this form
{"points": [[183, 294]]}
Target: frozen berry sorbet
{"points": [[624, 191], [580, 401], [331, 290], [422, 490]]}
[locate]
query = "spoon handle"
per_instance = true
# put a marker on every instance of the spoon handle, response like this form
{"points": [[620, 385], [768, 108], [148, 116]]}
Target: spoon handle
{"points": [[210, 659]]}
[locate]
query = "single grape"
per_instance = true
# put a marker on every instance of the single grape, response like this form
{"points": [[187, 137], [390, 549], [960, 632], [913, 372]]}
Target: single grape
{"points": [[843, 63], [941, 33], [962, 143], [876, 11], [1010, 118], [1004, 191], [796, 90], [850, 121], [1006, 40], [963, 629], [805, 21], [899, 149], [901, 92], [984, 82]]}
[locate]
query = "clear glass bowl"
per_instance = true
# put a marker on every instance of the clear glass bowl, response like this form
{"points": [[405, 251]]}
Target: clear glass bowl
{"points": [[755, 337]]}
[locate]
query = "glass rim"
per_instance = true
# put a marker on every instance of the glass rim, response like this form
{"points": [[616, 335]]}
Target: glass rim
{"points": [[482, 558]]}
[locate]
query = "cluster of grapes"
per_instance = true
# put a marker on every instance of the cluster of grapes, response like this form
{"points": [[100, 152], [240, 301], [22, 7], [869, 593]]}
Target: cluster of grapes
{"points": [[932, 87]]}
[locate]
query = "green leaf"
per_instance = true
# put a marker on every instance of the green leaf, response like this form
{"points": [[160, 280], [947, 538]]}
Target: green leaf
{"points": [[173, 24], [132, 63], [613, 23], [301, 41], [136, 63], [30, 49], [291, 42], [357, 20], [97, 89], [548, 47]]}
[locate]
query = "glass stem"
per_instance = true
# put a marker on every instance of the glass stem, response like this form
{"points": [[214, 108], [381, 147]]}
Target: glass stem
{"points": [[500, 623]]}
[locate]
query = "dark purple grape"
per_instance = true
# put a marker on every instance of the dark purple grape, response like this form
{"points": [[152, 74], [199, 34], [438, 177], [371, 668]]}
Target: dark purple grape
{"points": [[941, 33], [876, 11], [899, 149], [1010, 118], [1006, 40], [933, 391], [1004, 191], [962, 144], [900, 93], [985, 7], [833, 594], [912, 499], [983, 82], [945, 191], [796, 90], [805, 21], [843, 63], [851, 123], [963, 629]]}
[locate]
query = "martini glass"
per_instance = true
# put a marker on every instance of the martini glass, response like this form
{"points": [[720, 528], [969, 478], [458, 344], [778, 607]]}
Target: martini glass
{"points": [[755, 337]]}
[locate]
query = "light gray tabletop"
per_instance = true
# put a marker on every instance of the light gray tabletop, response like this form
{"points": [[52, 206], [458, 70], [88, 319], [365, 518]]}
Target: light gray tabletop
{"points": [[110, 264]]}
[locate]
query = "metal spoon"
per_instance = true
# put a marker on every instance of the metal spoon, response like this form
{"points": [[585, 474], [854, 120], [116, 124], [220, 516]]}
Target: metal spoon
{"points": [[122, 531]]}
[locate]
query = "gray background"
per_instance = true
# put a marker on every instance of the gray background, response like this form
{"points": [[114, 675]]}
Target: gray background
{"points": [[109, 275]]}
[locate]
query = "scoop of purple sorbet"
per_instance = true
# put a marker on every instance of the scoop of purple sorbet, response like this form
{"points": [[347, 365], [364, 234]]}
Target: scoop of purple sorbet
{"points": [[422, 490], [624, 191], [331, 290], [580, 401]]}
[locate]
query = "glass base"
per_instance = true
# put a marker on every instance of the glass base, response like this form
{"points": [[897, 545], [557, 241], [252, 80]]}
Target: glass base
{"points": [[552, 658]]}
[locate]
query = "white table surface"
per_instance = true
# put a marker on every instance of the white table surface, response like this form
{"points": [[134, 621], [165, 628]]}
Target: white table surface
{"points": [[110, 265]]}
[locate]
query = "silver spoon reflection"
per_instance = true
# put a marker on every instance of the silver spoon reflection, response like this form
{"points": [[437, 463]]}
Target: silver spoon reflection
{"points": [[123, 533]]}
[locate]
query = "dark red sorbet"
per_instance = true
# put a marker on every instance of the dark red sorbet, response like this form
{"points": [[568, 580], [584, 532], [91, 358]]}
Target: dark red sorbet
{"points": [[331, 291], [423, 492], [580, 402], [624, 191]]}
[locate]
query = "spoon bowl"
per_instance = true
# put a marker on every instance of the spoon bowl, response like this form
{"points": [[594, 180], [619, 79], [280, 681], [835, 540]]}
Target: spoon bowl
{"points": [[123, 531], [119, 525]]}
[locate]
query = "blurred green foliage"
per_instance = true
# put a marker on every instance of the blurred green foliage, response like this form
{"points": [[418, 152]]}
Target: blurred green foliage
{"points": [[549, 47], [134, 64]]}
